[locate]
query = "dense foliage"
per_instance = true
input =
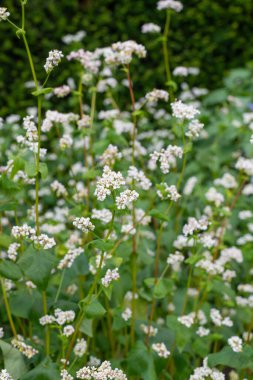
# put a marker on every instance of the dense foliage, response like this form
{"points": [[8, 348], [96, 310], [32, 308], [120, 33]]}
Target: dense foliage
{"points": [[215, 36], [126, 217]]}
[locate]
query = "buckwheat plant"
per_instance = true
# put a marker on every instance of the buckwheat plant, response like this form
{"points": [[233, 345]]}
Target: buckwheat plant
{"points": [[126, 220]]}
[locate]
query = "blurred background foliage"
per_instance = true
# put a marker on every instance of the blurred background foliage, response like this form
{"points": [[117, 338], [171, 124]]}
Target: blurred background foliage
{"points": [[214, 35]]}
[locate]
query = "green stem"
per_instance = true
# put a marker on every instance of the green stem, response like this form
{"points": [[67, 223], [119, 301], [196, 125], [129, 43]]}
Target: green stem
{"points": [[47, 333], [166, 55], [60, 286], [8, 310]]}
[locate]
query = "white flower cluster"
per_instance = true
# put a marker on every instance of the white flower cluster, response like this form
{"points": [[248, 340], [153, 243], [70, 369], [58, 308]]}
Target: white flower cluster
{"points": [[88, 59], [110, 155], [149, 330], [168, 192], [60, 317], [59, 189], [53, 117], [218, 320], [183, 111], [205, 372], [104, 371], [156, 95], [68, 330], [193, 225], [13, 251], [189, 186], [125, 199], [175, 258], [109, 181], [62, 91], [19, 343], [65, 375], [31, 129], [235, 343], [194, 129], [169, 4], [139, 178], [150, 28], [83, 224], [127, 314], [4, 13], [80, 347], [108, 115], [69, 38], [182, 71], [66, 141], [245, 165], [4, 375], [104, 215], [111, 275], [161, 350], [53, 60], [227, 181], [214, 196], [27, 232], [122, 53], [84, 122], [166, 157], [69, 258]]}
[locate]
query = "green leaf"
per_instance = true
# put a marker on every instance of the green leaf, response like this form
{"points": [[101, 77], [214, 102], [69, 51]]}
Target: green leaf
{"points": [[86, 327], [94, 309], [30, 168], [37, 266], [23, 301], [43, 170], [237, 360], [13, 360], [159, 215], [182, 333], [5, 240], [10, 270], [140, 362], [101, 244], [44, 371], [163, 288], [91, 174], [42, 91]]}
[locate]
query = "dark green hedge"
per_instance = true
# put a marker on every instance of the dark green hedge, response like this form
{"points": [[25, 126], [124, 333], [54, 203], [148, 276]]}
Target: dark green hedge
{"points": [[212, 34]]}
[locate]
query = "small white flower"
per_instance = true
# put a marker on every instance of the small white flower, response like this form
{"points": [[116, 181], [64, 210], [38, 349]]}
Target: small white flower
{"points": [[176, 6], [53, 60], [111, 275], [150, 28], [235, 343], [68, 330], [161, 350], [4, 13], [83, 224], [127, 314], [183, 111]]}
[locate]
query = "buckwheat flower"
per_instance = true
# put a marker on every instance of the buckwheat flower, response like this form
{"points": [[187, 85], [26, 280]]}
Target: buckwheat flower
{"points": [[108, 115], [194, 129], [65, 375], [251, 139], [1, 332], [66, 141], [68, 330], [168, 192], [88, 59], [231, 253], [127, 314], [59, 189], [202, 373], [103, 372], [176, 6], [83, 224], [84, 122], [13, 251], [62, 317], [104, 215], [4, 14], [181, 71], [121, 53], [19, 343], [175, 258], [53, 60], [246, 288], [110, 155], [214, 196], [4, 375], [62, 91], [69, 258], [139, 178], [161, 350], [44, 241], [31, 129], [149, 330], [69, 38], [80, 347], [126, 198], [218, 320], [245, 214], [122, 126], [47, 320], [150, 28], [166, 157], [189, 186], [94, 361], [156, 95], [245, 165], [227, 181], [109, 181], [24, 231], [193, 225], [187, 320], [111, 275], [202, 331], [183, 111], [235, 343]]}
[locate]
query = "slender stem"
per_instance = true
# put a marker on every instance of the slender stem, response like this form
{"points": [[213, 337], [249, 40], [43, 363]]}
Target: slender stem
{"points": [[60, 285], [166, 54], [47, 332], [92, 115], [30, 61], [8, 310], [38, 168], [12, 24]]}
